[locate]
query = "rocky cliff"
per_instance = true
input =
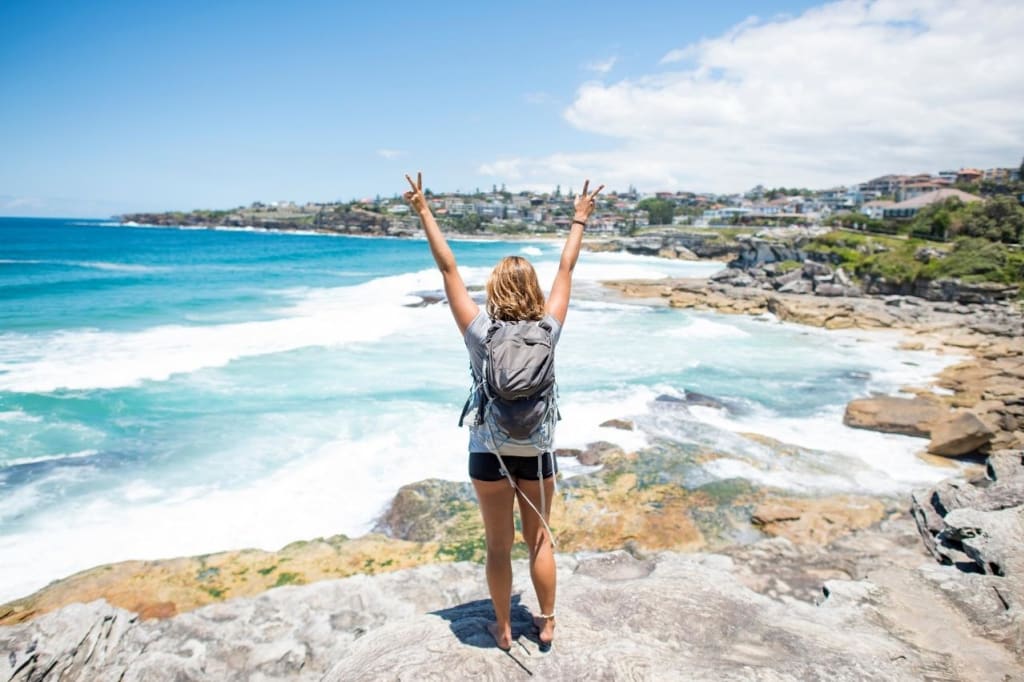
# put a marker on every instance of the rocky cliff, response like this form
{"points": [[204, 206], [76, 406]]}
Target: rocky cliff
{"points": [[871, 604], [667, 616]]}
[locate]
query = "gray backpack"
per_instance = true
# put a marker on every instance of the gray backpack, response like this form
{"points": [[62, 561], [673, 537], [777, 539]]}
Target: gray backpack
{"points": [[516, 395]]}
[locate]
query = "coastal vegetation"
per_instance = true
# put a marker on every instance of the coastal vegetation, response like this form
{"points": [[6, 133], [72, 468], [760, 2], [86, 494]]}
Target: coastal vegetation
{"points": [[904, 261]]}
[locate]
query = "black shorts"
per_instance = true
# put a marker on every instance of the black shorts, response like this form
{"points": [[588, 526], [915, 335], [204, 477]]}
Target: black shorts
{"points": [[484, 466]]}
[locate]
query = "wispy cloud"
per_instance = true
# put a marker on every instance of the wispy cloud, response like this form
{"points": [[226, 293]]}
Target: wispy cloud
{"points": [[389, 153], [602, 66], [840, 93], [20, 203]]}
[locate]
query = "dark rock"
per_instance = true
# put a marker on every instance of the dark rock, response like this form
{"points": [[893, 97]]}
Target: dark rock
{"points": [[691, 398], [567, 452], [694, 398], [427, 298]]}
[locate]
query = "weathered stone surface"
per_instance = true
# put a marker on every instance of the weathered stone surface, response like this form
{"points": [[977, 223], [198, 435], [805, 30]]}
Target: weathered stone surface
{"points": [[909, 416], [1002, 465], [797, 286], [962, 434], [978, 527], [164, 587], [816, 520], [618, 618]]}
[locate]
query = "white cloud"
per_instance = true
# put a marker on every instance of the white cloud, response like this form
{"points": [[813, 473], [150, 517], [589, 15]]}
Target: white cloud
{"points": [[602, 66], [389, 153], [838, 94]]}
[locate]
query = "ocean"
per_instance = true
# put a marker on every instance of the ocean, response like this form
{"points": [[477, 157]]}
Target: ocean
{"points": [[168, 392]]}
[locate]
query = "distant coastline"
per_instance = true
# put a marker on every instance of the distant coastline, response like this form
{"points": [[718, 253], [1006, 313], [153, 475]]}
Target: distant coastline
{"points": [[352, 221]]}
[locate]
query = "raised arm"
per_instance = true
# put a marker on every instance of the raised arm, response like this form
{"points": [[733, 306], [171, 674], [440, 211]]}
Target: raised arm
{"points": [[463, 307], [558, 300]]}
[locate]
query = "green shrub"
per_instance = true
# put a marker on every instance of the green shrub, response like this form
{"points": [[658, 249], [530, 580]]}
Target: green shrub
{"points": [[895, 265], [974, 260], [285, 578]]}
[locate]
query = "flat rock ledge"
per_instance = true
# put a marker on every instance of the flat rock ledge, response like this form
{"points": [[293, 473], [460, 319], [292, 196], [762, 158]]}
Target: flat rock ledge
{"points": [[666, 617]]}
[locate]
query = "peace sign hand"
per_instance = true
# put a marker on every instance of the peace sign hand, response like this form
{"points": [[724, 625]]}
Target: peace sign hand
{"points": [[415, 196], [586, 202]]}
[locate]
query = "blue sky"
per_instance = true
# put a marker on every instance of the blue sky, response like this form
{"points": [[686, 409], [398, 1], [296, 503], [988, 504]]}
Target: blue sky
{"points": [[119, 106]]}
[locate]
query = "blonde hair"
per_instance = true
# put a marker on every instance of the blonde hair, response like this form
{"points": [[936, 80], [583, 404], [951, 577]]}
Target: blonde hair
{"points": [[513, 292]]}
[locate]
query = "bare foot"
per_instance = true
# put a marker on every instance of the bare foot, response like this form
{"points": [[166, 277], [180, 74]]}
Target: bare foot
{"points": [[504, 640], [545, 629]]}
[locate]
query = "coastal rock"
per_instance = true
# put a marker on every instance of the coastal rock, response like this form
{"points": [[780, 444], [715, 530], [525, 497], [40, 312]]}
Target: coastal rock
{"points": [[946, 290], [962, 434], [909, 416], [797, 286], [164, 587], [620, 617], [1005, 464], [734, 277], [597, 452], [817, 521], [419, 509], [673, 243], [792, 276], [691, 398], [622, 424], [978, 527], [755, 251], [829, 289], [677, 251], [813, 269]]}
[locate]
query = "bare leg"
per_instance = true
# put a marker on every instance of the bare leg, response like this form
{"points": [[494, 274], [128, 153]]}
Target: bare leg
{"points": [[496, 503], [542, 556]]}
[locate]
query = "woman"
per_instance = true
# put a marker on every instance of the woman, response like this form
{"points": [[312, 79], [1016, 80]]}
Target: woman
{"points": [[513, 294]]}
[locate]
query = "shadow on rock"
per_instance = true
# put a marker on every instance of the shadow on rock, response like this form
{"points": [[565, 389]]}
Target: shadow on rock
{"points": [[468, 622]]}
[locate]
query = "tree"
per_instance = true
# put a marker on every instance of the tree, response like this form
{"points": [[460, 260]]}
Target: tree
{"points": [[940, 220], [997, 219], [468, 223], [659, 211]]}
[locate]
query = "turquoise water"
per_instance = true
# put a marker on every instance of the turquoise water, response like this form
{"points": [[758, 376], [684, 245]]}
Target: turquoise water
{"points": [[174, 391]]}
